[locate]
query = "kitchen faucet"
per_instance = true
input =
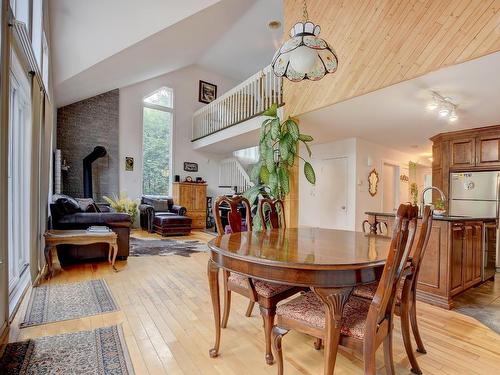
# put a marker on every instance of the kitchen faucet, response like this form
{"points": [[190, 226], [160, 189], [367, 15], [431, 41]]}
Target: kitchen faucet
{"points": [[443, 197]]}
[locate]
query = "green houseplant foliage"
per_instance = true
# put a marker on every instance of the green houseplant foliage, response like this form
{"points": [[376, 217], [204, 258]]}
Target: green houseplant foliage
{"points": [[414, 192], [122, 203], [278, 149]]}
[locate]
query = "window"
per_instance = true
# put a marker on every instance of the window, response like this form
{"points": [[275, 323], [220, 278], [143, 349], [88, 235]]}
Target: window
{"points": [[157, 142]]}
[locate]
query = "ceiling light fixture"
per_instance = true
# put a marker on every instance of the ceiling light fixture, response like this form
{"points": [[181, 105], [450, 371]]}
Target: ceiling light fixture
{"points": [[446, 108], [305, 55], [273, 25]]}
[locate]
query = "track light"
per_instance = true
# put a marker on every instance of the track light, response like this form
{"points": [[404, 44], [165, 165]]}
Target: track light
{"points": [[446, 108]]}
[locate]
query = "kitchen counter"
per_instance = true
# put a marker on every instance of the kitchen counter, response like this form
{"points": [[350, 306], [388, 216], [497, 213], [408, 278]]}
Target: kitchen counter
{"points": [[453, 259], [436, 217]]}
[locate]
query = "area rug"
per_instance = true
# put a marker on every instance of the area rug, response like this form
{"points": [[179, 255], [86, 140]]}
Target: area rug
{"points": [[99, 352], [139, 247], [58, 302]]}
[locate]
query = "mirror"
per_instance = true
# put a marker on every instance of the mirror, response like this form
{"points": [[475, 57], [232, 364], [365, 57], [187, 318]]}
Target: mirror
{"points": [[373, 182]]}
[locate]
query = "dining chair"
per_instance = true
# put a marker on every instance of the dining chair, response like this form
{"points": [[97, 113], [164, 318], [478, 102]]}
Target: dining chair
{"points": [[406, 300], [365, 324], [271, 213], [266, 294]]}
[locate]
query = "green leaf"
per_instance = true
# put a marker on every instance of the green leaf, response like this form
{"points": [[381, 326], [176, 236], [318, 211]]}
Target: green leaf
{"points": [[271, 111], [264, 175], [284, 180], [255, 173], [309, 173], [269, 160], [284, 149], [273, 181], [275, 128], [291, 159], [305, 138], [293, 129]]}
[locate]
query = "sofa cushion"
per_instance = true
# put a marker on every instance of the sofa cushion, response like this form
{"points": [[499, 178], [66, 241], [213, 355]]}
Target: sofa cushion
{"points": [[65, 204], [87, 205], [90, 218]]}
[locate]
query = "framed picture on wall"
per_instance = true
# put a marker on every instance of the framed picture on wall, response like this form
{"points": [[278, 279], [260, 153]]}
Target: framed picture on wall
{"points": [[207, 92]]}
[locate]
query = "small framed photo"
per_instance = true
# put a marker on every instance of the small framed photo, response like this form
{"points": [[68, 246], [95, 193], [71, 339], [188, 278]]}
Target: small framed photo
{"points": [[207, 92], [129, 163], [190, 167]]}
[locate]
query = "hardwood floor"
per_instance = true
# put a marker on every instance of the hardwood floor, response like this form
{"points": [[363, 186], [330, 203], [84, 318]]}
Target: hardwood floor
{"points": [[167, 320]]}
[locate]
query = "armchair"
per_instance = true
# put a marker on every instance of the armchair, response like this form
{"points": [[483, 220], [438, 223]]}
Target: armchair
{"points": [[159, 214]]}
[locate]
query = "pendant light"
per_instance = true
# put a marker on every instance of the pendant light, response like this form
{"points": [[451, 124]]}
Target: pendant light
{"points": [[305, 55]]}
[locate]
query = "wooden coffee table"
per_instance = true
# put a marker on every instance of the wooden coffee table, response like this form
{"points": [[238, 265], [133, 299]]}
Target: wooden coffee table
{"points": [[78, 237]]}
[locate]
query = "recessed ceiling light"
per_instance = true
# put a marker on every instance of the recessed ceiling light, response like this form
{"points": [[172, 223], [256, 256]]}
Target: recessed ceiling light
{"points": [[275, 24]]}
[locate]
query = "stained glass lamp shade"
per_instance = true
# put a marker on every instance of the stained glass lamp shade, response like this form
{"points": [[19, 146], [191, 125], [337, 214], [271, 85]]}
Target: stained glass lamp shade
{"points": [[305, 55]]}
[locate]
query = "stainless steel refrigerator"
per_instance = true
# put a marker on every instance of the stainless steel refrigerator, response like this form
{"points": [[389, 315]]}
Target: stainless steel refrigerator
{"points": [[477, 194]]}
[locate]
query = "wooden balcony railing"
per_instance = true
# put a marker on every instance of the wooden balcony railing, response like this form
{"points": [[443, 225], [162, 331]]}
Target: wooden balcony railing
{"points": [[249, 99]]}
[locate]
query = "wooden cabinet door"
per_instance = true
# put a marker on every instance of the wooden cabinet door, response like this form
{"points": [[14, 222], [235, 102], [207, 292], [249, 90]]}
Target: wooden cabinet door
{"points": [[468, 256], [200, 198], [462, 152], [478, 253], [456, 258], [488, 151]]}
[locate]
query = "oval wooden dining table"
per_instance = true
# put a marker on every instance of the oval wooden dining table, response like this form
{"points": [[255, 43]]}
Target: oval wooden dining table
{"points": [[330, 262]]}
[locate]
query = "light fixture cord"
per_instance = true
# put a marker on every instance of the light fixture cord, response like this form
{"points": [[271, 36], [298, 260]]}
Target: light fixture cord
{"points": [[305, 15]]}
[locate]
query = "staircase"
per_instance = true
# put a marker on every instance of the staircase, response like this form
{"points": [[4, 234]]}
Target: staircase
{"points": [[232, 174]]}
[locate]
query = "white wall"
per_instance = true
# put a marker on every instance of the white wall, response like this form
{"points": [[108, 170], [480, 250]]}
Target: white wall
{"points": [[184, 82], [362, 156], [310, 208], [374, 154]]}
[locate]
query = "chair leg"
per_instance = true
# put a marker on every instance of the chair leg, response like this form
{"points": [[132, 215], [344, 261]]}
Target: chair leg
{"points": [[268, 317], [251, 304], [227, 299], [318, 343], [278, 334], [369, 361], [388, 354], [405, 331], [414, 325]]}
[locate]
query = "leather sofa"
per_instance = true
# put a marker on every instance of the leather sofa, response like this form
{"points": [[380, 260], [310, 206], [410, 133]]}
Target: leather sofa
{"points": [[159, 214], [69, 213]]}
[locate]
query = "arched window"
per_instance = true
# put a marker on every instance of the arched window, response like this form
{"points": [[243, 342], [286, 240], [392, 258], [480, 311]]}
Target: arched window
{"points": [[157, 142]]}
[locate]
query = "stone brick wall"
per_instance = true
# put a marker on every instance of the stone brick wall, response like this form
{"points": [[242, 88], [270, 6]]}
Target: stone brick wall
{"points": [[80, 127]]}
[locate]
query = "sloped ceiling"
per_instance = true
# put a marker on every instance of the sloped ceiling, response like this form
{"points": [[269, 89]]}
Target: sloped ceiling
{"points": [[383, 42], [101, 45]]}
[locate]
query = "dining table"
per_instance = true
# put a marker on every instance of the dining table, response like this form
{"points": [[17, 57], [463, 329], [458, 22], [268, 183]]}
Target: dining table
{"points": [[328, 261]]}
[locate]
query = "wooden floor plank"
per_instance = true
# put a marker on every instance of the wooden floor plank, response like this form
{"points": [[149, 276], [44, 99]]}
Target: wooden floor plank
{"points": [[166, 315]]}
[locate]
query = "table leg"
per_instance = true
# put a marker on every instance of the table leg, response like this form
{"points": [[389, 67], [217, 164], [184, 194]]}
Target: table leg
{"points": [[213, 282], [48, 260], [334, 300], [110, 250], [115, 253]]}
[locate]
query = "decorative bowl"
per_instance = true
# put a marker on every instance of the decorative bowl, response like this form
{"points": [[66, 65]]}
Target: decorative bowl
{"points": [[439, 212]]}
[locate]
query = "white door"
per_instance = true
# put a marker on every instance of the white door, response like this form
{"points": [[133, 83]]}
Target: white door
{"points": [[332, 197], [19, 180], [390, 187]]}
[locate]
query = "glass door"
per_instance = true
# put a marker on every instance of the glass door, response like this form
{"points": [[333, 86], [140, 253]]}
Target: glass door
{"points": [[19, 172]]}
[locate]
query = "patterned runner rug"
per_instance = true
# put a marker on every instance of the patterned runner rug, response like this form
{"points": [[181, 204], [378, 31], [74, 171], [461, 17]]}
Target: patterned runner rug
{"points": [[99, 352], [140, 247], [54, 303]]}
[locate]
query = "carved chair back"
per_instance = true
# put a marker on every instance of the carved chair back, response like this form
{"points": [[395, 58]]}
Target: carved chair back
{"points": [[402, 240], [423, 239], [234, 216], [271, 213]]}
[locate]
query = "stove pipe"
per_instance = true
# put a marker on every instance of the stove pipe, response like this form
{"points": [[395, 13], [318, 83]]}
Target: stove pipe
{"points": [[98, 152]]}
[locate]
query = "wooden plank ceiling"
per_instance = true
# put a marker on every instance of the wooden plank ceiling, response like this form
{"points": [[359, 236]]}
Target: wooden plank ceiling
{"points": [[380, 43]]}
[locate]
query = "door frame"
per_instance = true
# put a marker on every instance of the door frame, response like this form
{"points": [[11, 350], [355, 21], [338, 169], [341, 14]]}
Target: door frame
{"points": [[382, 182]]}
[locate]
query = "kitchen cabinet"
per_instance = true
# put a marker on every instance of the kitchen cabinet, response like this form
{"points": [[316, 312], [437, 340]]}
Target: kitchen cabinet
{"points": [[488, 150], [193, 196], [463, 152], [469, 150], [452, 260]]}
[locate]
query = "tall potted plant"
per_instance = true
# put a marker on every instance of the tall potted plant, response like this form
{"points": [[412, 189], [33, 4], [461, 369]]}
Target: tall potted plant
{"points": [[278, 150]]}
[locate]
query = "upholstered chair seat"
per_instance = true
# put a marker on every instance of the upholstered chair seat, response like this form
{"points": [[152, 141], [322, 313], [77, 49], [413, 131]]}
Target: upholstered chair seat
{"points": [[308, 309], [365, 291], [263, 288]]}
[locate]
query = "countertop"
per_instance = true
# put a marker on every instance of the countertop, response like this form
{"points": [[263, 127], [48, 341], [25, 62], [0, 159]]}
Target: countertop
{"points": [[438, 217]]}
